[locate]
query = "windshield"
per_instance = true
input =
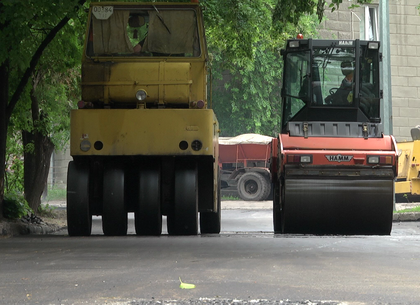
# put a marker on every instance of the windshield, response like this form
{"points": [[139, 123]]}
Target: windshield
{"points": [[333, 83], [143, 32], [330, 80]]}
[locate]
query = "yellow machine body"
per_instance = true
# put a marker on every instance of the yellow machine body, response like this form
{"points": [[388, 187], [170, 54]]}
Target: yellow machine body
{"points": [[408, 180], [165, 82], [144, 138], [178, 79], [147, 132]]}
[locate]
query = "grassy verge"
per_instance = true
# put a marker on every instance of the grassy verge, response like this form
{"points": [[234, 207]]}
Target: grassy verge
{"points": [[416, 209], [55, 194], [230, 198]]}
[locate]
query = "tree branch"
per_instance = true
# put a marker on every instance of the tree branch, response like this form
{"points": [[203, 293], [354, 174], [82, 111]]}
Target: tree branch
{"points": [[35, 59]]}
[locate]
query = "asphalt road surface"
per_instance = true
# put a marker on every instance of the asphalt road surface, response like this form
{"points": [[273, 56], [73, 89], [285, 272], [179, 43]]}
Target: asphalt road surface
{"points": [[245, 264]]}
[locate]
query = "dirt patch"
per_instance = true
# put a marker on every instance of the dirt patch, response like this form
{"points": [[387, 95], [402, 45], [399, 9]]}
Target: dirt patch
{"points": [[58, 217]]}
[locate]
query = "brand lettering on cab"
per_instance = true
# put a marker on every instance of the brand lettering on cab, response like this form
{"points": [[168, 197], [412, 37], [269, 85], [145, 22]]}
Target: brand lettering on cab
{"points": [[339, 158]]}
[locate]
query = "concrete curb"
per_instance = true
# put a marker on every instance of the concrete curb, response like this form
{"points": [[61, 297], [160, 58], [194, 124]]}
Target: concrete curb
{"points": [[10, 228], [408, 216]]}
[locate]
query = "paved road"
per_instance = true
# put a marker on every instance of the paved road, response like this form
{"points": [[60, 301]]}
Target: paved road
{"points": [[250, 265], [233, 221]]}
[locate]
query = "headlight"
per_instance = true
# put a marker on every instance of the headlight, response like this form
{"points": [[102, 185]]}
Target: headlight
{"points": [[294, 44], [383, 160], [85, 145], [141, 95], [299, 158], [373, 45], [373, 159]]}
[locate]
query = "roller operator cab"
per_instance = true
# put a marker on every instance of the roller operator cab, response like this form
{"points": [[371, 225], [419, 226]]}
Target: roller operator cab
{"points": [[144, 139], [333, 168]]}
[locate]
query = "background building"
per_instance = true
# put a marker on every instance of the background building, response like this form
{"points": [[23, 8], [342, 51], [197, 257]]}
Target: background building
{"points": [[396, 23]]}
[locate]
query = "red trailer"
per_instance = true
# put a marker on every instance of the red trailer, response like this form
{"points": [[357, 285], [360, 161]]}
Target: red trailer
{"points": [[243, 161]]}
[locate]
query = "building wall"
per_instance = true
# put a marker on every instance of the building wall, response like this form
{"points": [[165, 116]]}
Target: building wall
{"points": [[341, 24], [404, 26], [57, 177]]}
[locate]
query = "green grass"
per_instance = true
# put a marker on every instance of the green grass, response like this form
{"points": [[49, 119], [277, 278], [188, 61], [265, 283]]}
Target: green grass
{"points": [[45, 210], [416, 209], [56, 194], [230, 198]]}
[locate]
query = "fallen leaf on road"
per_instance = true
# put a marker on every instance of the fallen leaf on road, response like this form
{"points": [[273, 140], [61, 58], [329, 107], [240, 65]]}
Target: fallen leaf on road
{"points": [[185, 285]]}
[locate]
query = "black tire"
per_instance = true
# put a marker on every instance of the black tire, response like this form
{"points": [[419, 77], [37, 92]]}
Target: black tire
{"points": [[183, 219], [282, 206], [277, 208], [79, 219], [114, 214], [210, 222], [253, 186], [147, 214]]}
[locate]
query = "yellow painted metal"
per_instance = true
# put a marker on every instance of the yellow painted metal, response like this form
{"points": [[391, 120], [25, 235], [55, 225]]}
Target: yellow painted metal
{"points": [[164, 82], [415, 186], [167, 80], [402, 187], [148, 132], [408, 168]]}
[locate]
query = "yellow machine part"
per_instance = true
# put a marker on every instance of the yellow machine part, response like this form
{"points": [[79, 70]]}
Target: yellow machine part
{"points": [[167, 80], [148, 132], [164, 82], [408, 180]]}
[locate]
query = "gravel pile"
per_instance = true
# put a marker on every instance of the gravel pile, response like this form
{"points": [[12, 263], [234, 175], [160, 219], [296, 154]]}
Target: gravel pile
{"points": [[232, 302]]}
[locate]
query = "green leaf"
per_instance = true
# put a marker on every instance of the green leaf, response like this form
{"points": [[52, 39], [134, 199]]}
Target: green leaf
{"points": [[185, 285]]}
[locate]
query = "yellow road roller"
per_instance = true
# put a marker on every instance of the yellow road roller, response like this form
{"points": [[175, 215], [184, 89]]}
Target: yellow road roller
{"points": [[144, 138]]}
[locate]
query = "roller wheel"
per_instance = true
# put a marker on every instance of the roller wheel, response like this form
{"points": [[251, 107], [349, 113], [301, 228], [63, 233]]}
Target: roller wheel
{"points": [[79, 219], [148, 217], [210, 221], [183, 219], [337, 206], [277, 208], [253, 186], [114, 214]]}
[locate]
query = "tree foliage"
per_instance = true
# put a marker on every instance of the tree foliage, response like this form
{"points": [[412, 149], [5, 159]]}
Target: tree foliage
{"points": [[245, 38], [40, 49], [246, 94], [27, 29]]}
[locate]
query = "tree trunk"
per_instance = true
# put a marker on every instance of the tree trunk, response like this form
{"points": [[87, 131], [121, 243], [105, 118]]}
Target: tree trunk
{"points": [[36, 160], [4, 122], [37, 166], [4, 98]]}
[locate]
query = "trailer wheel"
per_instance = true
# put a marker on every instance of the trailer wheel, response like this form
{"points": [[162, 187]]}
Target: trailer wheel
{"points": [[147, 214], [79, 219], [114, 214], [183, 219], [210, 221], [253, 186]]}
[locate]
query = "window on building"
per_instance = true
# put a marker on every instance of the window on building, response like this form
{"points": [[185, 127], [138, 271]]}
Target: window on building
{"points": [[371, 28]]}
